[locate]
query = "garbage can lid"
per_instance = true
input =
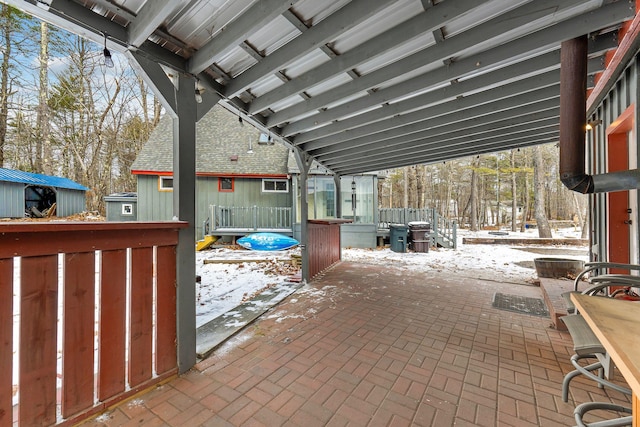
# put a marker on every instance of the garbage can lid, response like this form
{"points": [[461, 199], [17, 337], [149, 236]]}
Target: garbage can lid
{"points": [[397, 226], [419, 224]]}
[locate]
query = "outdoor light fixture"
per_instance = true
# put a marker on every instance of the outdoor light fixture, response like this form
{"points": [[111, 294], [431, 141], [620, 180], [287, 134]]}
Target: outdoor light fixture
{"points": [[198, 93], [353, 197], [108, 61], [593, 123]]}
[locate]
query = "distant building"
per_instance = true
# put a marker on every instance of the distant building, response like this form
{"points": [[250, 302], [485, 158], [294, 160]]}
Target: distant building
{"points": [[34, 195], [236, 166], [246, 182]]}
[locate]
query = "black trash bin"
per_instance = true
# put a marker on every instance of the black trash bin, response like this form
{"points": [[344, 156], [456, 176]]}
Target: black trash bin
{"points": [[398, 237], [420, 233]]}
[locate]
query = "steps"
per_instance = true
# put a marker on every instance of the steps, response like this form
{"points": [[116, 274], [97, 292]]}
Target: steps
{"points": [[552, 290]]}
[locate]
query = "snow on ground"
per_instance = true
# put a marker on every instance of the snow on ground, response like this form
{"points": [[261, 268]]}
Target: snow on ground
{"points": [[224, 286]]}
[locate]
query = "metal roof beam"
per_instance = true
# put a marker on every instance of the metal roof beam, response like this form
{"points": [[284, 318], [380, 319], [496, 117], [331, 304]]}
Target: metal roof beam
{"points": [[533, 89], [428, 145], [443, 135], [443, 125], [447, 154], [550, 36], [150, 17], [546, 61], [75, 18], [260, 14], [342, 20], [438, 15]]}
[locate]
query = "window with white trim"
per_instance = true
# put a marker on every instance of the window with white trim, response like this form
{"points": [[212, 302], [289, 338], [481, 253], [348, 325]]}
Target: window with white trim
{"points": [[275, 185], [165, 183]]}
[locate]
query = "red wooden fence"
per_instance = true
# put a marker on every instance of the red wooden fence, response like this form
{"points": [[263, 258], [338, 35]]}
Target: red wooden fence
{"points": [[120, 263], [323, 244]]}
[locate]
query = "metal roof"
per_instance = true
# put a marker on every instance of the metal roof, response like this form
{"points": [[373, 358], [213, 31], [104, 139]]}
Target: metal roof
{"points": [[12, 175], [362, 85]]}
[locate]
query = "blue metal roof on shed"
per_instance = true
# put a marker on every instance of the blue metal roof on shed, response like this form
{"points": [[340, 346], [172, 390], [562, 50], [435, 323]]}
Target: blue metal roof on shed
{"points": [[12, 175]]}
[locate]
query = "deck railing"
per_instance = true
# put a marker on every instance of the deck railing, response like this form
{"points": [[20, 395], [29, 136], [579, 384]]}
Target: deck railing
{"points": [[88, 314], [443, 229], [250, 218]]}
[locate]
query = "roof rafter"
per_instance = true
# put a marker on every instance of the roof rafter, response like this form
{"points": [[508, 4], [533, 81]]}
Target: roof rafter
{"points": [[346, 18], [443, 154], [237, 31], [444, 134], [549, 36], [148, 19], [419, 24]]}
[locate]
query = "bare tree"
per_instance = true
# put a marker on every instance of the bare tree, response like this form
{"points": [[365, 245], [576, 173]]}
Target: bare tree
{"points": [[514, 202], [44, 153], [542, 222], [473, 198]]}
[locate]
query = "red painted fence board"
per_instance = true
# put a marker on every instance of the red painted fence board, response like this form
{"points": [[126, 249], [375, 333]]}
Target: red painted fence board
{"points": [[6, 340], [78, 333], [38, 319], [166, 354], [112, 325], [324, 244], [39, 246], [141, 316]]}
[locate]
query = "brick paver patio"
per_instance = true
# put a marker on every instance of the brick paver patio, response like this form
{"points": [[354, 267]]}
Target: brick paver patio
{"points": [[375, 345]]}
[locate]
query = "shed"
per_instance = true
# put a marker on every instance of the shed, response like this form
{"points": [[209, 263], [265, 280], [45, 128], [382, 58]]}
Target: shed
{"points": [[122, 206], [31, 194]]}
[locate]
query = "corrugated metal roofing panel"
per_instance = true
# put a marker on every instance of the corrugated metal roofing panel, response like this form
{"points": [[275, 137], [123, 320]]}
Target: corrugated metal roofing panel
{"points": [[349, 57], [12, 175]]}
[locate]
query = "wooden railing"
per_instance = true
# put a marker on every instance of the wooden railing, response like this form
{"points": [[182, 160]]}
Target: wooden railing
{"points": [[250, 218], [114, 285], [444, 231]]}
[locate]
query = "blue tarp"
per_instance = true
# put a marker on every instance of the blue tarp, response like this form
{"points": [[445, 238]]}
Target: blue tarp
{"points": [[12, 175]]}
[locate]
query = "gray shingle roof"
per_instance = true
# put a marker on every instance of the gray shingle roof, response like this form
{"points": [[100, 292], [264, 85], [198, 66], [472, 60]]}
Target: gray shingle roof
{"points": [[219, 138]]}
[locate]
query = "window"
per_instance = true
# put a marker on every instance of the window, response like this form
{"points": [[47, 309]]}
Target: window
{"points": [[275, 186], [225, 184], [165, 183]]}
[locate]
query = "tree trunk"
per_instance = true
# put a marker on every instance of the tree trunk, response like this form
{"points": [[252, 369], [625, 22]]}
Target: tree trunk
{"points": [[544, 231], [420, 173], [473, 198], [525, 209], [406, 188], [5, 27], [44, 155], [514, 204]]}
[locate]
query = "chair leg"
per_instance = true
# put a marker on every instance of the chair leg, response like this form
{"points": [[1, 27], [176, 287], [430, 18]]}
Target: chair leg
{"points": [[583, 408], [587, 371]]}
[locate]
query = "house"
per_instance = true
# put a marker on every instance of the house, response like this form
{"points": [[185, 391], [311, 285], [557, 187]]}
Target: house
{"points": [[236, 166], [246, 182], [32, 194]]}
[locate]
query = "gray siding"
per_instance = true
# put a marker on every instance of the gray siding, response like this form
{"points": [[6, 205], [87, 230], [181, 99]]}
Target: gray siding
{"points": [[623, 94], [154, 205], [11, 200], [69, 202]]}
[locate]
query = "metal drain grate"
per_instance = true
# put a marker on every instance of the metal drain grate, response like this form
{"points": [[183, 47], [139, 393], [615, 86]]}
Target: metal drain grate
{"points": [[518, 304]]}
